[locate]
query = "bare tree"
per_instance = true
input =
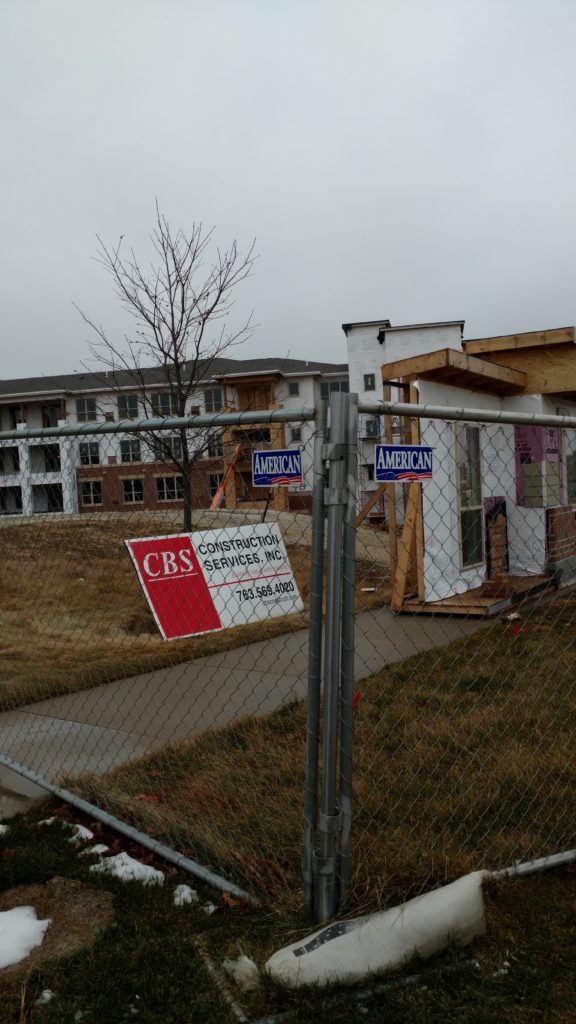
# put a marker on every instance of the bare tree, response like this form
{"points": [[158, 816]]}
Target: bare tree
{"points": [[180, 307]]}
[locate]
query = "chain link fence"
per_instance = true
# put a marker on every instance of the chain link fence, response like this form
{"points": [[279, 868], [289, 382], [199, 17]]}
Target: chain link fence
{"points": [[464, 740], [447, 605]]}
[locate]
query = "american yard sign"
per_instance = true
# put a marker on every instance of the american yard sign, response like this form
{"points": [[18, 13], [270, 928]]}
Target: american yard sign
{"points": [[402, 462]]}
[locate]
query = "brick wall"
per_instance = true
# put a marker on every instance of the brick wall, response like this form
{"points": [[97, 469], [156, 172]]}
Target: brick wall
{"points": [[561, 532], [111, 478]]}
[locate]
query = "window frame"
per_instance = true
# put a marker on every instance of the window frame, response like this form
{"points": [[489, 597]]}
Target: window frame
{"points": [[130, 441], [132, 399], [132, 480], [463, 509], [210, 404], [157, 400], [163, 479], [369, 377], [294, 389], [89, 460], [84, 415], [90, 484]]}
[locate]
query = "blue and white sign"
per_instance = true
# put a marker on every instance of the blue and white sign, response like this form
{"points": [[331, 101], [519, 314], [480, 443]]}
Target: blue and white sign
{"points": [[402, 462], [278, 467]]}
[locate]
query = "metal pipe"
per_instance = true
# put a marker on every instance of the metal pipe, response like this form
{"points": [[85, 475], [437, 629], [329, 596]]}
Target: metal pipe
{"points": [[448, 412], [220, 419], [533, 867], [314, 655], [347, 650], [165, 852], [335, 501]]}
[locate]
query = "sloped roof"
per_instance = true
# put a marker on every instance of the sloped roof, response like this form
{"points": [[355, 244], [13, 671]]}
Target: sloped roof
{"points": [[78, 383]]}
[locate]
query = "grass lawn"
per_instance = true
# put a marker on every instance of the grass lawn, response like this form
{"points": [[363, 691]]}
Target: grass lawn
{"points": [[464, 758], [143, 962], [70, 585]]}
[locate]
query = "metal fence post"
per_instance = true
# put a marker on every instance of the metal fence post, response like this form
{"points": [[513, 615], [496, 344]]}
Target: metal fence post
{"points": [[329, 814], [314, 655], [347, 657]]}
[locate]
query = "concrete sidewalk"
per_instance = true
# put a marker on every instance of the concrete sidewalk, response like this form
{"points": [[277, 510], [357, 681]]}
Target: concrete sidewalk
{"points": [[98, 728]]}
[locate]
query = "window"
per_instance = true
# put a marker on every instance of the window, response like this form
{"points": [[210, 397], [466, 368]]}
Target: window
{"points": [[52, 458], [373, 427], [164, 405], [169, 488], [293, 388], [50, 415], [469, 488], [85, 409], [133, 491], [214, 481], [168, 448], [91, 492], [329, 388], [296, 433], [127, 407], [369, 382], [215, 447], [370, 472], [213, 399], [130, 451], [89, 452], [9, 460]]}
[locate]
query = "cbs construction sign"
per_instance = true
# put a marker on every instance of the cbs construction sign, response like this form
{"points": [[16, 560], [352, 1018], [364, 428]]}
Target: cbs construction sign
{"points": [[199, 582]]}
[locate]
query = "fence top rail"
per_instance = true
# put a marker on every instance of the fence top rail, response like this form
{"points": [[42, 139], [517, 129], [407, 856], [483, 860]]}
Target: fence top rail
{"points": [[448, 412], [302, 415], [220, 419]]}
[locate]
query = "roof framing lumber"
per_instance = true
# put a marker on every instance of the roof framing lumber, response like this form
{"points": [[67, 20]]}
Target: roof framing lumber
{"points": [[530, 339], [459, 370]]}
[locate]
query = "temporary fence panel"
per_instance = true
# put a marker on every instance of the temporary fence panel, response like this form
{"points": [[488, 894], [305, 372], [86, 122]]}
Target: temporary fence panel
{"points": [[421, 708]]}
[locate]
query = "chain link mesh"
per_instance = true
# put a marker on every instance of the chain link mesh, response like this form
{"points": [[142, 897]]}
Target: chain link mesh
{"points": [[465, 733], [464, 703]]}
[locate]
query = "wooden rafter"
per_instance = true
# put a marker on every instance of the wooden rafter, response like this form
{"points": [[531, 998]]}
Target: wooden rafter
{"points": [[530, 339], [460, 370]]}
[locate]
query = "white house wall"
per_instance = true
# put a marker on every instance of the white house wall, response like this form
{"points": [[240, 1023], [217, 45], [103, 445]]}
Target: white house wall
{"points": [[367, 355], [443, 574]]}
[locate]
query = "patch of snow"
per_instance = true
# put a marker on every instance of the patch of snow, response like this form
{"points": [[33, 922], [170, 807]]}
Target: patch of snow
{"points": [[47, 821], [3, 829], [184, 894], [20, 932], [98, 848], [80, 832], [45, 996], [123, 866], [244, 972], [209, 908], [349, 951]]}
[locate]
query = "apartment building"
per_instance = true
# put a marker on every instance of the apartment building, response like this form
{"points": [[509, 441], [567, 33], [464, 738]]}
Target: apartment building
{"points": [[119, 472]]}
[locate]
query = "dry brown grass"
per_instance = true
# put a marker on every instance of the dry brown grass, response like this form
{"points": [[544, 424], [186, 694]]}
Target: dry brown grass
{"points": [[464, 758], [72, 613]]}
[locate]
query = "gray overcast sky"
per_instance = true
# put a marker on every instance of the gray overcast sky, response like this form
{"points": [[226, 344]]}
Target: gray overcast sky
{"points": [[410, 159]]}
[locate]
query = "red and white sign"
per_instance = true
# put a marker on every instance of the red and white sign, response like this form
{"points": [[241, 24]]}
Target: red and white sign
{"points": [[199, 582]]}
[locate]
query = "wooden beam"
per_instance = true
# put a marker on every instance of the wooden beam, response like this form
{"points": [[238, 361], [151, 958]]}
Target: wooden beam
{"points": [[419, 526], [446, 361], [530, 339], [372, 500], [391, 518], [405, 547]]}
